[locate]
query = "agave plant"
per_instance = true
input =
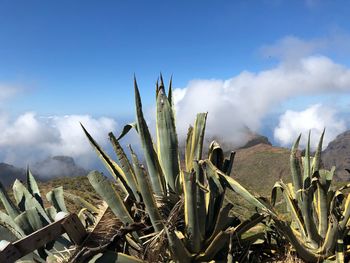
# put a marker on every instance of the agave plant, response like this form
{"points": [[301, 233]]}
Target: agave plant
{"points": [[28, 214], [184, 209], [319, 214]]}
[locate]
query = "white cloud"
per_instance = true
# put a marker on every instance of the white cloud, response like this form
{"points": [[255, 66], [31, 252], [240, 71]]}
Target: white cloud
{"points": [[293, 48], [30, 138], [72, 140], [26, 130], [290, 49], [244, 100], [315, 118]]}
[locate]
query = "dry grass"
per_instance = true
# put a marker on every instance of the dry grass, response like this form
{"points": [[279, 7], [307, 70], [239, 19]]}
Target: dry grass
{"points": [[289, 257]]}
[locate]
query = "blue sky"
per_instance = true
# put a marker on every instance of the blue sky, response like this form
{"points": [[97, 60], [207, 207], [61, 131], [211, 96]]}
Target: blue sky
{"points": [[65, 50], [78, 58]]}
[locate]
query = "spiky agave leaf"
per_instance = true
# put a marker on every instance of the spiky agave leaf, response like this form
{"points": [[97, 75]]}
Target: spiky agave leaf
{"points": [[324, 182], [223, 221], [291, 203], [167, 138], [215, 195], [216, 155], [104, 188], [125, 166], [316, 163], [9, 206], [314, 202], [56, 198], [295, 167], [301, 247], [111, 165], [23, 222], [147, 193], [81, 202], [8, 223], [151, 158], [33, 187], [232, 184], [223, 237], [307, 164], [193, 153], [126, 129], [26, 201], [228, 164], [35, 220], [345, 215], [51, 213], [306, 202], [194, 142], [178, 250], [330, 241], [191, 212]]}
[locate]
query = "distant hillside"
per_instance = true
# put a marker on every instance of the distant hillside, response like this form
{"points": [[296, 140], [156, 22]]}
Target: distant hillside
{"points": [[337, 153], [255, 140], [57, 166], [260, 166], [8, 173], [250, 140]]}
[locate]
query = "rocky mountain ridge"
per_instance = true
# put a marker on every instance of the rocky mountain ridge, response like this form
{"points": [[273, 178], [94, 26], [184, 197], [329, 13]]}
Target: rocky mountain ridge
{"points": [[337, 154], [51, 167], [258, 164]]}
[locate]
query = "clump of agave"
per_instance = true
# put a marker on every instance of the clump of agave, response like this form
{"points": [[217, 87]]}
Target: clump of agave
{"points": [[184, 210], [28, 214], [173, 210], [320, 215]]}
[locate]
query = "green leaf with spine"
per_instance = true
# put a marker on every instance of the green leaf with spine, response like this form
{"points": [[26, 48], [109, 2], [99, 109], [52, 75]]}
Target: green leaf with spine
{"points": [[154, 169], [105, 189], [319, 215], [113, 168], [56, 199], [28, 214], [33, 187], [82, 203], [147, 193], [167, 141], [10, 207], [125, 166]]}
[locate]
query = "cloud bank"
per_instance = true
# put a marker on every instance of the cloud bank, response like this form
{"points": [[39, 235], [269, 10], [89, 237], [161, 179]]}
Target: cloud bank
{"points": [[314, 119], [240, 103], [30, 138]]}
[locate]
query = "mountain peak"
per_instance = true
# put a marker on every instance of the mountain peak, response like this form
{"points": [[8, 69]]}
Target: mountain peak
{"points": [[51, 167], [57, 166], [337, 154], [255, 140]]}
